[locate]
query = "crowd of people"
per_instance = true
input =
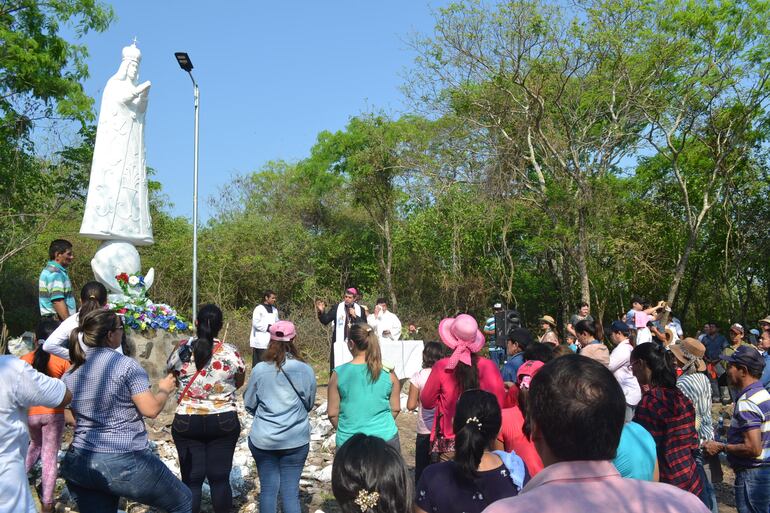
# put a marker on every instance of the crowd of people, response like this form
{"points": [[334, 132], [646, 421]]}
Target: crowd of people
{"points": [[615, 419]]}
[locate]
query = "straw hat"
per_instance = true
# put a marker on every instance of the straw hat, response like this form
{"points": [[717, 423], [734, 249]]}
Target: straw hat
{"points": [[548, 319], [689, 349]]}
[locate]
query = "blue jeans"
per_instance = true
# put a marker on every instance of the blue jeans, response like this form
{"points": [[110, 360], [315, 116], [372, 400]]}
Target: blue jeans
{"points": [[97, 481], [497, 355], [708, 495], [752, 490], [279, 470]]}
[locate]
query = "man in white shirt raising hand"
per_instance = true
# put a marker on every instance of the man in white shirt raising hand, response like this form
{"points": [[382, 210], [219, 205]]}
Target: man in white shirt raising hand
{"points": [[384, 322]]}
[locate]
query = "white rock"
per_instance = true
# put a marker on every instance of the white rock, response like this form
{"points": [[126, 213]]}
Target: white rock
{"points": [[325, 475], [330, 444], [322, 408], [242, 459]]}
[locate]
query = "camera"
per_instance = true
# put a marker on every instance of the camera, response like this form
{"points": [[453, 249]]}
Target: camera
{"points": [[179, 357]]}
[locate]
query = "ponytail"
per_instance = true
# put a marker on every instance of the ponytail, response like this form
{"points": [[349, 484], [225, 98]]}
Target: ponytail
{"points": [[365, 339], [476, 424], [93, 296], [95, 328], [77, 355], [209, 323], [467, 376], [44, 329]]}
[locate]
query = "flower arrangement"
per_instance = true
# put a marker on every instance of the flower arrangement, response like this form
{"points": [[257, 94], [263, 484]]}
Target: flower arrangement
{"points": [[131, 284], [139, 312]]}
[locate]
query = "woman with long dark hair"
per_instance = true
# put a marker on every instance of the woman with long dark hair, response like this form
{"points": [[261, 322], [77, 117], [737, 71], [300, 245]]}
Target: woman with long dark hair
{"points": [[46, 425], [280, 393], [364, 395], [669, 416], [109, 456], [93, 296], [206, 425], [463, 370], [370, 476], [477, 476]]}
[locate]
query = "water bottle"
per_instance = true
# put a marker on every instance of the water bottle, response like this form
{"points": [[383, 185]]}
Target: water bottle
{"points": [[721, 436]]}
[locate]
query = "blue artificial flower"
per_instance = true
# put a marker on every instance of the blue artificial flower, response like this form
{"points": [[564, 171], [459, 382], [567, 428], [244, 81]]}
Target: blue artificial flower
{"points": [[181, 326]]}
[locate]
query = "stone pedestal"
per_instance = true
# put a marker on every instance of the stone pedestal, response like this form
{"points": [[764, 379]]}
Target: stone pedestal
{"points": [[151, 349]]}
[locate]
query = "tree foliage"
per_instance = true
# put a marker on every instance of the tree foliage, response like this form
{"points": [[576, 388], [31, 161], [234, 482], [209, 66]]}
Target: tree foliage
{"points": [[615, 149]]}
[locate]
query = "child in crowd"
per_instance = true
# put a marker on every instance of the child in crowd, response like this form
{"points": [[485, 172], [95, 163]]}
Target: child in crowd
{"points": [[46, 425], [369, 476], [431, 353]]}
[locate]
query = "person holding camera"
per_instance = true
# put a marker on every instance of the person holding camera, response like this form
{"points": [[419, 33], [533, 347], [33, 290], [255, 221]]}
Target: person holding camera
{"points": [[110, 455], [206, 426], [643, 314], [346, 314]]}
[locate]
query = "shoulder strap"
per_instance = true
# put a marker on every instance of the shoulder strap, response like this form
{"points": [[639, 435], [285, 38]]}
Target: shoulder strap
{"points": [[294, 388], [187, 388]]}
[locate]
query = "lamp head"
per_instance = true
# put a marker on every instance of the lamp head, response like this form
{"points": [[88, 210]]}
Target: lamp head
{"points": [[184, 61]]}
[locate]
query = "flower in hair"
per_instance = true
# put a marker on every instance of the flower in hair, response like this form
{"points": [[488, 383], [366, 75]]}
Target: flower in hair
{"points": [[367, 500], [474, 420]]}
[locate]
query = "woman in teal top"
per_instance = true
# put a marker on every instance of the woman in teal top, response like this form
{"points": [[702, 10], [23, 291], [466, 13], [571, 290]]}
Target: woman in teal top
{"points": [[363, 396]]}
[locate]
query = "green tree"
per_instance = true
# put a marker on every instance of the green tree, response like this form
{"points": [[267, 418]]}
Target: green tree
{"points": [[40, 79]]}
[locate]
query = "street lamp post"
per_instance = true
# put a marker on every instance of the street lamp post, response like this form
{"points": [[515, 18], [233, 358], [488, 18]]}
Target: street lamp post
{"points": [[186, 64]]}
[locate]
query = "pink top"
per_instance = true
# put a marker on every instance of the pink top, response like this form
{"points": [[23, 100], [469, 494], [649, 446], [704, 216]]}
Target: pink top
{"points": [[595, 487], [641, 319], [441, 391]]}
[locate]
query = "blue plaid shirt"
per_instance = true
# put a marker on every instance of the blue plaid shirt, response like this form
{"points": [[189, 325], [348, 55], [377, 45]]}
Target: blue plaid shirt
{"points": [[107, 418]]}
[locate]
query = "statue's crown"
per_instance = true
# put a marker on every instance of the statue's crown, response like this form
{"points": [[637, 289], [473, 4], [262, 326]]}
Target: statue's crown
{"points": [[132, 53]]}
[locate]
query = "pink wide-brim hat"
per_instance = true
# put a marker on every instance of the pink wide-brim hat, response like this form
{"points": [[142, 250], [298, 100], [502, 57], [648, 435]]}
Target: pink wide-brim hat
{"points": [[463, 327]]}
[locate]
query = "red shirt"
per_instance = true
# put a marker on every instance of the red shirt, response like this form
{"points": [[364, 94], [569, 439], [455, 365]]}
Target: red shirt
{"points": [[511, 397], [513, 439], [441, 391]]}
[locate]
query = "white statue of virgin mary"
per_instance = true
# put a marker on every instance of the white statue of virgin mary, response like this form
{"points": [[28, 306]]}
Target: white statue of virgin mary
{"points": [[117, 206]]}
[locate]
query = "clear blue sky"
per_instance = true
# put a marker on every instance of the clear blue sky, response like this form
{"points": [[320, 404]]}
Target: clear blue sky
{"points": [[272, 76]]}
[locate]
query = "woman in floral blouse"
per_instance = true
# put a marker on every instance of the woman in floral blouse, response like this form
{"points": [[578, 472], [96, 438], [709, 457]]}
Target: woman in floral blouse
{"points": [[206, 426]]}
